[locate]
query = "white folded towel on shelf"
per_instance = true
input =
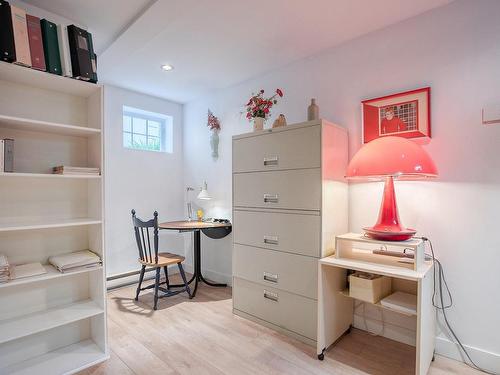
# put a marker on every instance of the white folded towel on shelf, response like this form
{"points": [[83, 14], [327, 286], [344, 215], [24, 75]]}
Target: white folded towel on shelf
{"points": [[75, 261], [27, 270]]}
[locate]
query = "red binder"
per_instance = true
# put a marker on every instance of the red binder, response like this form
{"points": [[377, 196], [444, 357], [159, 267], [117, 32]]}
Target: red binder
{"points": [[36, 44]]}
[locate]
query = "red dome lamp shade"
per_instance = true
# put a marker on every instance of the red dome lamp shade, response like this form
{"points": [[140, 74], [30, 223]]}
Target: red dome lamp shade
{"points": [[388, 158]]}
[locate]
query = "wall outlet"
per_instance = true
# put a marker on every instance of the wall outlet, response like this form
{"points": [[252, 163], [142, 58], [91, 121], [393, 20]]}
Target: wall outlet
{"points": [[491, 114]]}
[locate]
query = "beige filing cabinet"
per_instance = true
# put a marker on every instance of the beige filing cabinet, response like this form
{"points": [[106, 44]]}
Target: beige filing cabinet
{"points": [[289, 203]]}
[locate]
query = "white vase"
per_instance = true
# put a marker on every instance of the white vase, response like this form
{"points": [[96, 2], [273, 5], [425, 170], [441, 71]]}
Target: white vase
{"points": [[258, 123], [214, 144]]}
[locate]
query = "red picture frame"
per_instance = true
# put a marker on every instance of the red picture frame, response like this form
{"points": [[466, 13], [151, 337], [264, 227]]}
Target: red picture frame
{"points": [[406, 114]]}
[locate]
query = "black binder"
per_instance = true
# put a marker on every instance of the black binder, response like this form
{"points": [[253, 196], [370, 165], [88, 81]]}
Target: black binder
{"points": [[7, 47], [93, 59], [80, 53]]}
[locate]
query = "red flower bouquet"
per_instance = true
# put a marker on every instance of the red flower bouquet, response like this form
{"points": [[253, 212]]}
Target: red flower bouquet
{"points": [[213, 122], [258, 106]]}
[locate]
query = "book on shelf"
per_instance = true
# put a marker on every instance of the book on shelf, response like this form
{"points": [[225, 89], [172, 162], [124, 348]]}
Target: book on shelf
{"points": [[4, 269], [51, 47], [64, 169], [7, 47], [80, 54], [2, 147], [62, 35], [8, 155], [35, 41], [93, 59], [21, 42], [75, 261]]}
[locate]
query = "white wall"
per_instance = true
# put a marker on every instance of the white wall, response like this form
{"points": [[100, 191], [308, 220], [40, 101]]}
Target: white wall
{"points": [[455, 50], [143, 180]]}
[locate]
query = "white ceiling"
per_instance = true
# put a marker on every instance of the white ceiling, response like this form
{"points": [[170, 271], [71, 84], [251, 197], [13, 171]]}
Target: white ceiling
{"points": [[106, 19], [217, 43]]}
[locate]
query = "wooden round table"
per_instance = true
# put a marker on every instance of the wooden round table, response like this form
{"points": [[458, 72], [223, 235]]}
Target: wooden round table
{"points": [[212, 230]]}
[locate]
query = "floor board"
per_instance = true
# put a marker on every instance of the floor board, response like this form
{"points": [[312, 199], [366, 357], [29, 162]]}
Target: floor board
{"points": [[202, 336]]}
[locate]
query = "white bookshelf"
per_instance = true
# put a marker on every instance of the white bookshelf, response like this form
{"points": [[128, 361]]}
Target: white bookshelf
{"points": [[53, 323]]}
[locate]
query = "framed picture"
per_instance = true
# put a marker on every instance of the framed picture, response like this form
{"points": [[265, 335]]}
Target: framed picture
{"points": [[407, 114]]}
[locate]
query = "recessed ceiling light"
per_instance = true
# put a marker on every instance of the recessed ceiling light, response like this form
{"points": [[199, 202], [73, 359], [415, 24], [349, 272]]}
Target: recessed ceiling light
{"points": [[167, 67]]}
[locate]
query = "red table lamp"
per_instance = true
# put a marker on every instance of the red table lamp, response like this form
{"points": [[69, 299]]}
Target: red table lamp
{"points": [[387, 158]]}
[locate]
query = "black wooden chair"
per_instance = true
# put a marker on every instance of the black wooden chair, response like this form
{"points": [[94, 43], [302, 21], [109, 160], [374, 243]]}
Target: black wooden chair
{"points": [[154, 259]]}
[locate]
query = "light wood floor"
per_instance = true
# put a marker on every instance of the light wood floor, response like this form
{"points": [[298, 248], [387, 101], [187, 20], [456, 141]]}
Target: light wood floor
{"points": [[202, 336]]}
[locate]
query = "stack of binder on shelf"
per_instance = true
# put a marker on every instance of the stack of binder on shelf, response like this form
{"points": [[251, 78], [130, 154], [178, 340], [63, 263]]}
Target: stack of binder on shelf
{"points": [[67, 170], [6, 155], [4, 269], [75, 261], [41, 44]]}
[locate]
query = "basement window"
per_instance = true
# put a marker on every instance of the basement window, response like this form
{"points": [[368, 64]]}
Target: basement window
{"points": [[147, 131]]}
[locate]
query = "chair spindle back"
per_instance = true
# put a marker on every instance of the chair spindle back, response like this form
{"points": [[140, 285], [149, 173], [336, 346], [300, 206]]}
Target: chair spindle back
{"points": [[142, 237]]}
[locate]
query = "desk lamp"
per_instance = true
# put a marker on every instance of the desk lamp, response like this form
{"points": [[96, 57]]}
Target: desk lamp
{"points": [[203, 195], [388, 158]]}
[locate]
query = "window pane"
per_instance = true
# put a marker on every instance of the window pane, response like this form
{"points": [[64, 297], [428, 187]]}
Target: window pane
{"points": [[127, 139], [139, 125], [140, 141], [154, 128], [154, 143], [127, 124]]}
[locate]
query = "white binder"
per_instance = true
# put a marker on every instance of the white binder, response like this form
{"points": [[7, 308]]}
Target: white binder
{"points": [[62, 36]]}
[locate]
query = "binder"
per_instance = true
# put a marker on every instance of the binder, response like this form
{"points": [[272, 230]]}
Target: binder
{"points": [[7, 48], [93, 59], [51, 47], [1, 155], [8, 158], [21, 43], [35, 40], [80, 54], [62, 37]]}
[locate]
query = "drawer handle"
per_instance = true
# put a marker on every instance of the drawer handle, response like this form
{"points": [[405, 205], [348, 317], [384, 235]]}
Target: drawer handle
{"points": [[271, 240], [271, 161], [270, 198], [271, 277], [270, 295]]}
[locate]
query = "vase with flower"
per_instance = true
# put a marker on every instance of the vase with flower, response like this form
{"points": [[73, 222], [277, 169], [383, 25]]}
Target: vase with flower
{"points": [[214, 125], [258, 108]]}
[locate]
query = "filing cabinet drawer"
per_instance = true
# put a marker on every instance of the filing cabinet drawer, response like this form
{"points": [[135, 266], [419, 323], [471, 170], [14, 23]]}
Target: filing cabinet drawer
{"points": [[286, 310], [288, 149], [294, 273], [293, 233], [293, 189]]}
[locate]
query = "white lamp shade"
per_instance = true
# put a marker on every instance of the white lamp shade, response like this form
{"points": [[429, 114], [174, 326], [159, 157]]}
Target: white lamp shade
{"points": [[204, 193]]}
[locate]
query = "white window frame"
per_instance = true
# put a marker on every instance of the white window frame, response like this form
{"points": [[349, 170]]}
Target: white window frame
{"points": [[166, 129]]}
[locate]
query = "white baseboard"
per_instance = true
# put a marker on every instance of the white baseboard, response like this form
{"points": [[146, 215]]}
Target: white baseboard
{"points": [[124, 281], [484, 359], [212, 275]]}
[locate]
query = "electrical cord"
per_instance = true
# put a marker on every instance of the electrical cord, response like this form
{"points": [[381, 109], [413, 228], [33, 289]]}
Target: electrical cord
{"points": [[440, 277]]}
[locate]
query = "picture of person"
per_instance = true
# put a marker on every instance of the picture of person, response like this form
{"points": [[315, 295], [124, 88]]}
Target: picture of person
{"points": [[390, 122]]}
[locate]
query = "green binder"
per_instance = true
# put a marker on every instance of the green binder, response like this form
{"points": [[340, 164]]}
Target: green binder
{"points": [[51, 47]]}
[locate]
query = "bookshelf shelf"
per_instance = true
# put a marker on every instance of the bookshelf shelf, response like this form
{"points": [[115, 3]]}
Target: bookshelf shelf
{"points": [[69, 359], [43, 80], [46, 224], [47, 126], [40, 321], [53, 121], [52, 273], [48, 175]]}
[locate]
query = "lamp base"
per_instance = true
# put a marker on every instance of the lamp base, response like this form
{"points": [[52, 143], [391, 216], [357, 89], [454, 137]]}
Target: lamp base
{"points": [[388, 226], [389, 235]]}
